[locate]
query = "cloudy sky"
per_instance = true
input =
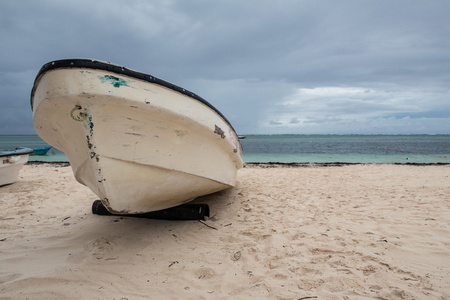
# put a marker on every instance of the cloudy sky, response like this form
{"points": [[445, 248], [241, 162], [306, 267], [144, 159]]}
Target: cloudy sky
{"points": [[291, 66]]}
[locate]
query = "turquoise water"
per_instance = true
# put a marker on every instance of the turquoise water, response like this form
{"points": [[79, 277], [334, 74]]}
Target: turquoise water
{"points": [[306, 148], [32, 141], [347, 148], [345, 158]]}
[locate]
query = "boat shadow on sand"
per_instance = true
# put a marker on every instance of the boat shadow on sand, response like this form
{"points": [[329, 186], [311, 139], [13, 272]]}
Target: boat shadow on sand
{"points": [[198, 209]]}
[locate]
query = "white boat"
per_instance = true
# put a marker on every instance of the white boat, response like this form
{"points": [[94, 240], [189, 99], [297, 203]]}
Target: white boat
{"points": [[11, 163], [139, 143]]}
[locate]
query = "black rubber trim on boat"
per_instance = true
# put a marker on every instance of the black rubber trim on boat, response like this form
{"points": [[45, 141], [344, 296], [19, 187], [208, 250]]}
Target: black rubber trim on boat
{"points": [[182, 212], [100, 65]]}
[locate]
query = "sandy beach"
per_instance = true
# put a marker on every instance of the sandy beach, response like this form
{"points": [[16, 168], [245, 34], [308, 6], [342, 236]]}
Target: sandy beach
{"points": [[310, 232]]}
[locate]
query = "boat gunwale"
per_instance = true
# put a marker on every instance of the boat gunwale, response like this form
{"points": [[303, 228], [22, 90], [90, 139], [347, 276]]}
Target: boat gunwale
{"points": [[16, 152], [78, 63]]}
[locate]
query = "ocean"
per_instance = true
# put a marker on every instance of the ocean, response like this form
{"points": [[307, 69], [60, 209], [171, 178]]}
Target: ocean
{"points": [[347, 148], [419, 149], [32, 141]]}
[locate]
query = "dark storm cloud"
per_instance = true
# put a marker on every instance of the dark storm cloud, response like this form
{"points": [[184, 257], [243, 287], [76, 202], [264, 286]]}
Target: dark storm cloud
{"points": [[269, 66]]}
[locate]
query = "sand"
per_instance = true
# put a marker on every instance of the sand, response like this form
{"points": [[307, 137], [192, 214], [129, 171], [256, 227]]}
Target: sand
{"points": [[315, 232]]}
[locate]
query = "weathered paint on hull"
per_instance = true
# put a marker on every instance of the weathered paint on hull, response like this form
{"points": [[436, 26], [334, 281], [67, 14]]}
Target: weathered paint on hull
{"points": [[139, 146]]}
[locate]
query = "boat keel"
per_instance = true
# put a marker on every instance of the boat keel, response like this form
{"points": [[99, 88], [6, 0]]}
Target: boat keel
{"points": [[181, 212]]}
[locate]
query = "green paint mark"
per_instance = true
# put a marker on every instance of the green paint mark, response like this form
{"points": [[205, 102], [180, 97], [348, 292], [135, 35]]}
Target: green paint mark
{"points": [[88, 118], [115, 81]]}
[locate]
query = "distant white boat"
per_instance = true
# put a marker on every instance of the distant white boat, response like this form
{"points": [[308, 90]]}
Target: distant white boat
{"points": [[11, 163], [139, 143]]}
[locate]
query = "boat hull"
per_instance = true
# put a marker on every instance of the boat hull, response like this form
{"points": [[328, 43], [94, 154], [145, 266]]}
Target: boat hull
{"points": [[138, 145], [11, 164], [40, 151]]}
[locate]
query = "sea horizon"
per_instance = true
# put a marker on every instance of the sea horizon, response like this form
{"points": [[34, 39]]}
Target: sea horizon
{"points": [[305, 148]]}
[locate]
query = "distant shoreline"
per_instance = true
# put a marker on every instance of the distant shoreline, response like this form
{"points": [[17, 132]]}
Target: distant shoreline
{"points": [[274, 164], [332, 164]]}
